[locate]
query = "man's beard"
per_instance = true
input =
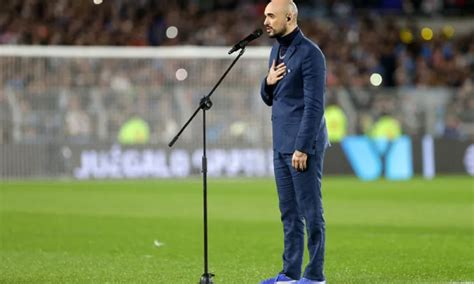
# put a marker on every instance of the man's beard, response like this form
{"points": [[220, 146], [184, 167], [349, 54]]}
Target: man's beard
{"points": [[277, 34]]}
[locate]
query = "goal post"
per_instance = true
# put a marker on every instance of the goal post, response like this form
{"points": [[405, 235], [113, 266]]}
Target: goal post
{"points": [[43, 85]]}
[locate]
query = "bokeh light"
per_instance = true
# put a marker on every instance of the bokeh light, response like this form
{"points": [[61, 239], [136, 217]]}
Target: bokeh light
{"points": [[448, 31], [427, 33], [181, 74], [376, 79], [172, 32], [406, 36]]}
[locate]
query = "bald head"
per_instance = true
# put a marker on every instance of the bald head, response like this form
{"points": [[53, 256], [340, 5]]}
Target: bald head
{"points": [[287, 6], [280, 17], [293, 10]]}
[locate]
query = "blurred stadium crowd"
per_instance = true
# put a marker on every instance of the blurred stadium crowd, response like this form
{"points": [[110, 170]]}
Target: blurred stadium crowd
{"points": [[359, 39]]}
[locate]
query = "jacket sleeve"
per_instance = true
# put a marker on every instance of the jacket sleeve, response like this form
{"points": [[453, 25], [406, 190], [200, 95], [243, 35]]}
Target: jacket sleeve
{"points": [[314, 79], [266, 92]]}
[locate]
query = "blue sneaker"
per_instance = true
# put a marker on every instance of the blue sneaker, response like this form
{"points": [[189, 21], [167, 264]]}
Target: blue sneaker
{"points": [[307, 281], [280, 279]]}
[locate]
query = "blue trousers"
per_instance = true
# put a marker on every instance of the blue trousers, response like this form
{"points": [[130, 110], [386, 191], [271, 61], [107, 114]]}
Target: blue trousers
{"points": [[300, 204]]}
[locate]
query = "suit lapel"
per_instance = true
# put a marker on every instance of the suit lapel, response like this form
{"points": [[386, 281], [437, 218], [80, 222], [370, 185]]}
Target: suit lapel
{"points": [[289, 53], [274, 53], [292, 48]]}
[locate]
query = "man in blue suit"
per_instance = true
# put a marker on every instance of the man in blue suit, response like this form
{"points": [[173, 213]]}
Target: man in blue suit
{"points": [[294, 88]]}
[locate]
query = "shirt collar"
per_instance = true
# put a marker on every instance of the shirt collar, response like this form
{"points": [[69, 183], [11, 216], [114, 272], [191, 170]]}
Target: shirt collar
{"points": [[286, 40]]}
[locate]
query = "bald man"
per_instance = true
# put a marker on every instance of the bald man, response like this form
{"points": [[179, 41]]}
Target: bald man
{"points": [[294, 88]]}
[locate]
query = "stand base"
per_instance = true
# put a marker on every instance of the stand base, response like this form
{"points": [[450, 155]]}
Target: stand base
{"points": [[207, 279]]}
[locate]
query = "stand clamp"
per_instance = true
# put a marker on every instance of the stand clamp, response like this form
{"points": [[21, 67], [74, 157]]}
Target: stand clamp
{"points": [[205, 103]]}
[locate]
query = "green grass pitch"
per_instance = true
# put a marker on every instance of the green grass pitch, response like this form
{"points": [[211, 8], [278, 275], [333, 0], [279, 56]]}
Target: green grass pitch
{"points": [[151, 231]]}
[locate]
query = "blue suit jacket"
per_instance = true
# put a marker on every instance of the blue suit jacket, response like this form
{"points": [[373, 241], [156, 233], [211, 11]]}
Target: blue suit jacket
{"points": [[297, 100]]}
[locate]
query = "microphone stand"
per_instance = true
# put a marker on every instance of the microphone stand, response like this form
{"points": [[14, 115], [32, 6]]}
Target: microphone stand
{"points": [[205, 104]]}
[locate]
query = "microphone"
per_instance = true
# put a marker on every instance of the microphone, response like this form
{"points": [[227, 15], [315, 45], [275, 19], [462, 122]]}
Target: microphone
{"points": [[243, 43]]}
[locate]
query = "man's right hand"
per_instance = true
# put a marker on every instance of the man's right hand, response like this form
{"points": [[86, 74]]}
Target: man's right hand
{"points": [[276, 73]]}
